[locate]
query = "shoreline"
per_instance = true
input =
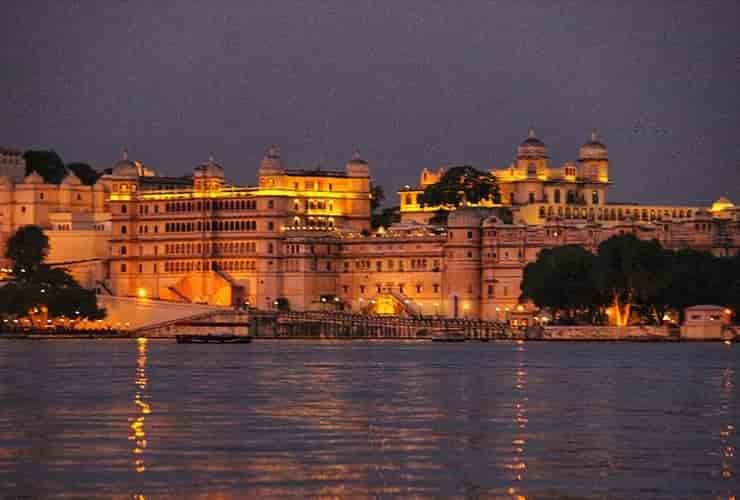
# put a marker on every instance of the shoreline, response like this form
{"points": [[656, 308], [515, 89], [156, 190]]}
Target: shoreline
{"points": [[133, 336]]}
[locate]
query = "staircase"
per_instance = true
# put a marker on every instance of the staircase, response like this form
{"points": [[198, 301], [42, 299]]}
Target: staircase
{"points": [[103, 286], [151, 329], [177, 293]]}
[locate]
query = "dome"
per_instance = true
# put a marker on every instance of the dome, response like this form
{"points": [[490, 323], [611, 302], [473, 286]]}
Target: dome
{"points": [[466, 217], [722, 204], [209, 169], [71, 180], [125, 167], [33, 178], [532, 147], [593, 149]]}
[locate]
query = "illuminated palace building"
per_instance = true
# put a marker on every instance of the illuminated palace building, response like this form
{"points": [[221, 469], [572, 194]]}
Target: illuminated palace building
{"points": [[301, 239]]}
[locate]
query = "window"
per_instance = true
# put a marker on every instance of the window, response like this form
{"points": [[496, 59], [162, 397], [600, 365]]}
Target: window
{"points": [[123, 250], [595, 198], [270, 226], [362, 288], [490, 290], [123, 229], [531, 197], [531, 170], [41, 196], [270, 204], [470, 235], [511, 198], [418, 288], [123, 268], [557, 196], [123, 209], [436, 288]]}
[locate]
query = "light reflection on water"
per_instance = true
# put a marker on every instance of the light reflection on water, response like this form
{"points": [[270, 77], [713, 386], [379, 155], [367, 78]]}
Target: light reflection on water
{"points": [[367, 419]]}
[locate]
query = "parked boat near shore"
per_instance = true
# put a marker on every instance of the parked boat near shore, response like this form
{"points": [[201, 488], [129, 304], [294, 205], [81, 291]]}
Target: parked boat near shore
{"points": [[448, 335], [219, 338]]}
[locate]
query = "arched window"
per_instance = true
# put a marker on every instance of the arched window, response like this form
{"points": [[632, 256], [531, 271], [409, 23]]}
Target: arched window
{"points": [[595, 197], [557, 196], [531, 170]]}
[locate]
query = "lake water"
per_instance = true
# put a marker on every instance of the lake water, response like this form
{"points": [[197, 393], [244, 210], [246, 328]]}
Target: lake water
{"points": [[153, 419]]}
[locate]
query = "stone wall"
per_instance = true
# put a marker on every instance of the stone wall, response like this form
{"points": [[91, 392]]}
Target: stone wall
{"points": [[128, 313], [605, 333]]}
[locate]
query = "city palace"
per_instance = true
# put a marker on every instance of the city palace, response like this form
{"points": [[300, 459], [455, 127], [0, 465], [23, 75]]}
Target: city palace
{"points": [[301, 238]]}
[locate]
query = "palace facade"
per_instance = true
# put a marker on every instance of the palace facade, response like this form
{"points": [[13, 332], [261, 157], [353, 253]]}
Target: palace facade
{"points": [[301, 239]]}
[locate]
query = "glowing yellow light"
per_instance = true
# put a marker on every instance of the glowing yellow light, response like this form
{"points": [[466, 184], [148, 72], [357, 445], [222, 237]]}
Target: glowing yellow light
{"points": [[141, 292], [520, 307]]}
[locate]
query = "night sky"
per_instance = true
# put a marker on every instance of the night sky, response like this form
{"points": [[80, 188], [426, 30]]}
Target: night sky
{"points": [[413, 83]]}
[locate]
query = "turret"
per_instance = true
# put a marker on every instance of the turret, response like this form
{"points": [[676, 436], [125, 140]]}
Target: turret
{"points": [[357, 167]]}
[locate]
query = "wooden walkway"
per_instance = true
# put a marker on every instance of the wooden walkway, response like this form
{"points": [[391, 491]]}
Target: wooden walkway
{"points": [[340, 325]]}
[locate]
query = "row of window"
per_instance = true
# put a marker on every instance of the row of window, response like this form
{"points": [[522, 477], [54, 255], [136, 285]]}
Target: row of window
{"points": [[209, 265], [391, 265], [401, 287], [217, 225], [313, 205], [614, 214], [223, 247], [190, 206]]}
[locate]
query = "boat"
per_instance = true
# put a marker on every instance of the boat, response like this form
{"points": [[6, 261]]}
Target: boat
{"points": [[218, 338], [448, 335]]}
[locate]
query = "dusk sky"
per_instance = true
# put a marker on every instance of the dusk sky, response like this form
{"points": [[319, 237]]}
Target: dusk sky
{"points": [[413, 83]]}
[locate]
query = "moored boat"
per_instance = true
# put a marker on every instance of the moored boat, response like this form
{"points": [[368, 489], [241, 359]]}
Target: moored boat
{"points": [[219, 338], [448, 335]]}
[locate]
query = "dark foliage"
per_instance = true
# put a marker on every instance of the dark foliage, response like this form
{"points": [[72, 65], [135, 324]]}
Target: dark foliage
{"points": [[461, 184]]}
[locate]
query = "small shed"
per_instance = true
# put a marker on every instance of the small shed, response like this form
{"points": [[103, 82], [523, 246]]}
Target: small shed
{"points": [[705, 322]]}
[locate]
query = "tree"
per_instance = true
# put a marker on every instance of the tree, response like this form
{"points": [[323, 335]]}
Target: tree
{"points": [[377, 196], [84, 172], [564, 280], [385, 217], [461, 184], [27, 248], [630, 272], [35, 285], [48, 164]]}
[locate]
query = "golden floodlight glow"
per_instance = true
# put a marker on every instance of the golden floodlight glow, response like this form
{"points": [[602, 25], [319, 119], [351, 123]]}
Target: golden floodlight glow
{"points": [[141, 292]]}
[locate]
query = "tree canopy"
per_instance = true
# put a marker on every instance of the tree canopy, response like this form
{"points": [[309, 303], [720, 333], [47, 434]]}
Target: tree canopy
{"points": [[84, 172], [27, 249], [564, 279], [461, 184], [48, 164], [35, 285], [631, 271], [385, 217], [632, 277], [377, 196]]}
